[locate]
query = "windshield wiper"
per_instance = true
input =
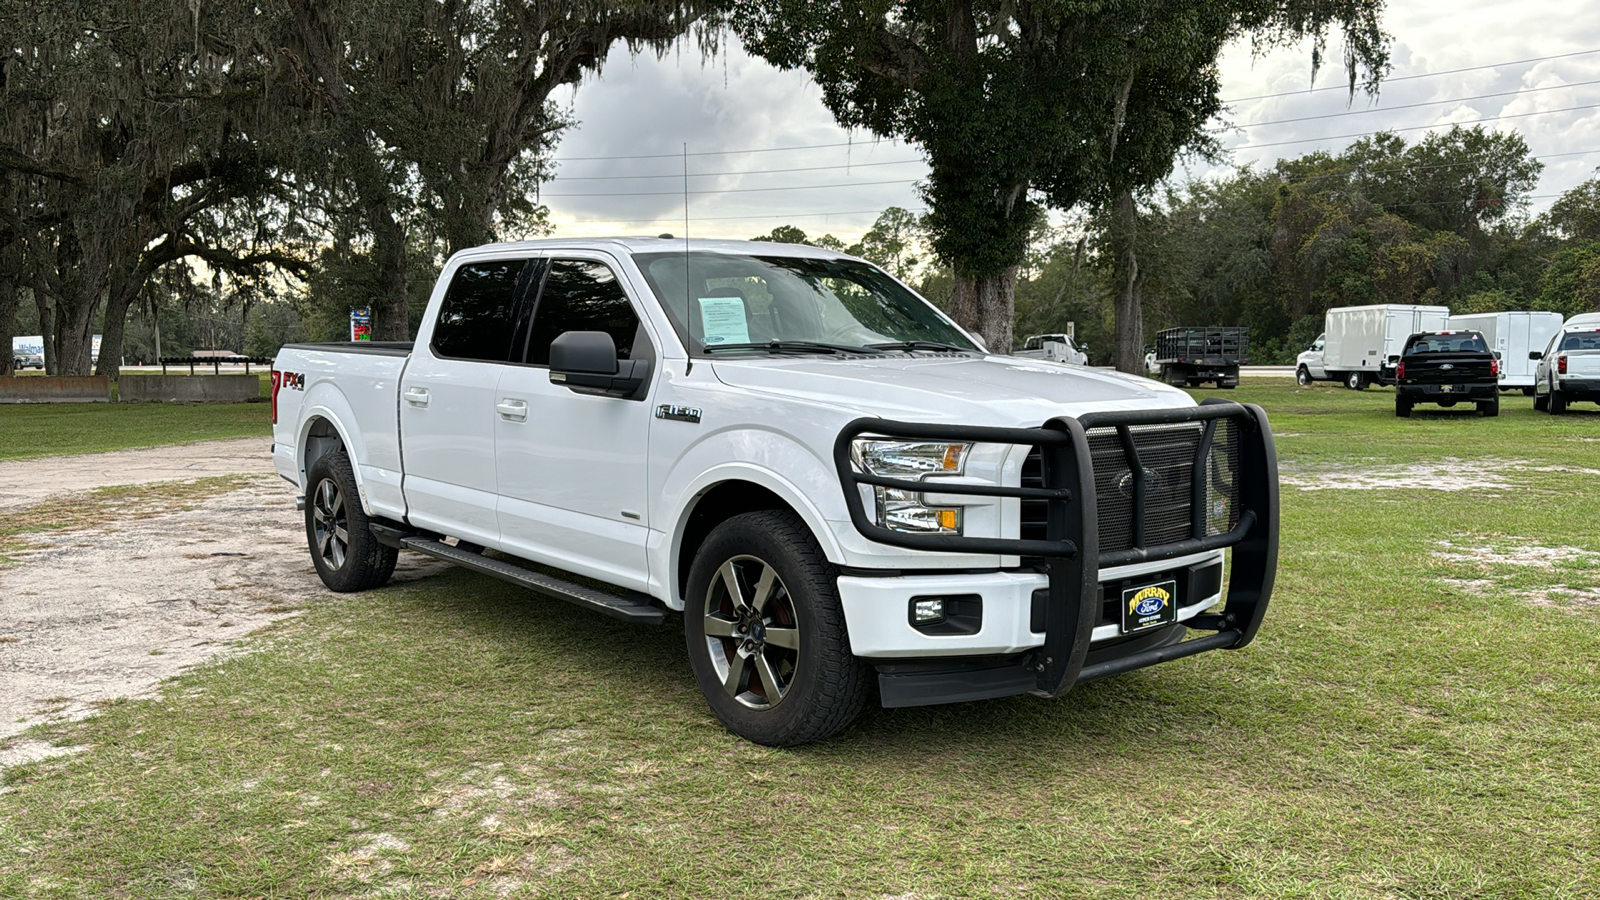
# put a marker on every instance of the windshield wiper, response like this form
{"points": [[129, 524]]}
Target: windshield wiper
{"points": [[918, 345], [786, 347]]}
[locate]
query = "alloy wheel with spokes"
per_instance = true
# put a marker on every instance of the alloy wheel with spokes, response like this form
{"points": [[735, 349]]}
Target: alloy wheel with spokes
{"points": [[751, 632], [345, 552], [330, 524], [766, 632]]}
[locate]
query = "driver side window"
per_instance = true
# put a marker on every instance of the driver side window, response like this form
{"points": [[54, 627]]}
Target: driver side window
{"points": [[583, 295]]}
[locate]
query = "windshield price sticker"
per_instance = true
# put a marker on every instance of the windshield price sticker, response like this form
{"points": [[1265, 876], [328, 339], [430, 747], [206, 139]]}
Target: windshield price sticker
{"points": [[722, 321], [1149, 606]]}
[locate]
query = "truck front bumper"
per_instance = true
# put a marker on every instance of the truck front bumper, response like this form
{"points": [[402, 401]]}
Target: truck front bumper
{"points": [[1001, 609], [1210, 472]]}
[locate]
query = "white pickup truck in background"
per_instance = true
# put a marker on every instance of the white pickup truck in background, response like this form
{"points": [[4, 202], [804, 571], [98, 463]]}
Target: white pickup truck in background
{"points": [[832, 482], [1568, 368]]}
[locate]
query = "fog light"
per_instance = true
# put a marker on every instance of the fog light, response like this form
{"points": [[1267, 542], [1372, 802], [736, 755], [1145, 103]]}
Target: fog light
{"points": [[925, 612]]}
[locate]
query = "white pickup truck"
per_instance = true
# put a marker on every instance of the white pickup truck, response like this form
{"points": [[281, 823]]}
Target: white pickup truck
{"points": [[832, 482]]}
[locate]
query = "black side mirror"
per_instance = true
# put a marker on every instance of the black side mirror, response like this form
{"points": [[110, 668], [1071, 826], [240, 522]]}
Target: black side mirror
{"points": [[1535, 354], [586, 363]]}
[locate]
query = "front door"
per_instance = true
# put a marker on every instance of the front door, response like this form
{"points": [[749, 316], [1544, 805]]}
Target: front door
{"points": [[571, 467]]}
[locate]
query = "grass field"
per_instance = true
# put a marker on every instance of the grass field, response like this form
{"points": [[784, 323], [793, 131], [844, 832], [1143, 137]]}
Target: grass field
{"points": [[1419, 718], [48, 429]]}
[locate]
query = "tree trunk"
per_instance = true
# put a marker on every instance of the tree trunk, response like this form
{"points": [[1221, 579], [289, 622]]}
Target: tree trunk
{"points": [[51, 367], [985, 305], [9, 298], [1129, 326], [125, 291], [392, 320]]}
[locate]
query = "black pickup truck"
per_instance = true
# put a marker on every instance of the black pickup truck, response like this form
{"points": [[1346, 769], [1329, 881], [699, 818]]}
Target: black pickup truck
{"points": [[1447, 367]]}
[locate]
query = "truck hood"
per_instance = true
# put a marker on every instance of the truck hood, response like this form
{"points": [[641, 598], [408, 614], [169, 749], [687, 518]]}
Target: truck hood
{"points": [[992, 390]]}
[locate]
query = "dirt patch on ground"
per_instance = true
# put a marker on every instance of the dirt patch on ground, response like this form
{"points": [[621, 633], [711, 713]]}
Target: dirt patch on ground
{"points": [[1448, 474], [88, 615], [29, 481], [1543, 576]]}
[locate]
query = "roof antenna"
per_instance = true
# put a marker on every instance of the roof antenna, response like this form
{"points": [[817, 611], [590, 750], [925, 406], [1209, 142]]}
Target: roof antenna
{"points": [[688, 295]]}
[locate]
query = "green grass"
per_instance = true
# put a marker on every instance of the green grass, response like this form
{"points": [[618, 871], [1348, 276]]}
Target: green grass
{"points": [[31, 430], [1392, 733]]}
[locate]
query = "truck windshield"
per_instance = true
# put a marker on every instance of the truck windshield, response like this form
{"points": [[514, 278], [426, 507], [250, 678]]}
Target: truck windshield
{"points": [[1469, 342], [779, 303]]}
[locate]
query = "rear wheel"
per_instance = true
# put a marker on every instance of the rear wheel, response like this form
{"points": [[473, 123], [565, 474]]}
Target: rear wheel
{"points": [[1489, 408], [1529, 392], [1302, 376], [766, 633], [1356, 381], [347, 556], [1402, 407]]}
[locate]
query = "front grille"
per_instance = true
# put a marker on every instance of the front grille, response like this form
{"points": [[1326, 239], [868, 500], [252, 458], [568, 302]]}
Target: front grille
{"points": [[1167, 453]]}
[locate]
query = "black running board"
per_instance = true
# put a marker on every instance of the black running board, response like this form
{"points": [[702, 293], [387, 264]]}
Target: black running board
{"points": [[632, 607]]}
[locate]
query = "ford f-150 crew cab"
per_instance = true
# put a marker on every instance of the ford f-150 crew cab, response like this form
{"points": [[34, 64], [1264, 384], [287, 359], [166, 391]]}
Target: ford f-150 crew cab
{"points": [[836, 486]]}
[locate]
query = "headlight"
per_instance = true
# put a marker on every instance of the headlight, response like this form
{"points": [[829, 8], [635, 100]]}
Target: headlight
{"points": [[912, 461]]}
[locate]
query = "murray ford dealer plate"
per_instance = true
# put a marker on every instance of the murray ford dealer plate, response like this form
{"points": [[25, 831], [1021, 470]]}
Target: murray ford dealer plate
{"points": [[1149, 606]]}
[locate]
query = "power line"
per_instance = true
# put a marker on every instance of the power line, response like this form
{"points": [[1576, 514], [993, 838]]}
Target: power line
{"points": [[1340, 87], [1340, 137], [798, 187], [895, 162], [1377, 109], [884, 140]]}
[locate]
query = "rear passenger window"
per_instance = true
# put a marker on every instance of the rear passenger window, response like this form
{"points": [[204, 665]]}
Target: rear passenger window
{"points": [[475, 320], [580, 295]]}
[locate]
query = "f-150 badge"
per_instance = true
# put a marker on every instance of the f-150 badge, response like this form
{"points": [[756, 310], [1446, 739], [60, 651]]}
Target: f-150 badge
{"points": [[680, 413]]}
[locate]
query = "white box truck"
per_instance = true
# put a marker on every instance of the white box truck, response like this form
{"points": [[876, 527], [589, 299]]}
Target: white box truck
{"points": [[1514, 335], [1361, 343]]}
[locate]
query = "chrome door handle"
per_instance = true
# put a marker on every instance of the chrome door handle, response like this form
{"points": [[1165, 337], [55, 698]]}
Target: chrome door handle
{"points": [[515, 410], [417, 396]]}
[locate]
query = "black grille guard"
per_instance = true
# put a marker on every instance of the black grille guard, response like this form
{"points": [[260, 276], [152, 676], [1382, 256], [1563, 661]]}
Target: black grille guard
{"points": [[1071, 546]]}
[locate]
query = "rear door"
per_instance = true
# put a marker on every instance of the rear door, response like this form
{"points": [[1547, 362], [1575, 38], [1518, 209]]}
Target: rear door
{"points": [[571, 468], [447, 399]]}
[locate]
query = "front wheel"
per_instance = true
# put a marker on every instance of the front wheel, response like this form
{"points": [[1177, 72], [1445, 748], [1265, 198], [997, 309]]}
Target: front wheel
{"points": [[1302, 376], [1540, 404], [1557, 402], [347, 555], [766, 633]]}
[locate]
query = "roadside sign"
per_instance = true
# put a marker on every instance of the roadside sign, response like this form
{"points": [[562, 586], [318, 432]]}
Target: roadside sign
{"points": [[361, 323]]}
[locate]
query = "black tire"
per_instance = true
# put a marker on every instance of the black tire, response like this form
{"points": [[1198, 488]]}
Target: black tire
{"points": [[1355, 381], [1302, 376], [1529, 392], [1489, 408], [821, 686], [1402, 407], [1557, 402], [357, 562], [1541, 404]]}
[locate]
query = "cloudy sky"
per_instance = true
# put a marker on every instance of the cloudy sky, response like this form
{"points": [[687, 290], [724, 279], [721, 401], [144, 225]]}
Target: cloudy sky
{"points": [[762, 150]]}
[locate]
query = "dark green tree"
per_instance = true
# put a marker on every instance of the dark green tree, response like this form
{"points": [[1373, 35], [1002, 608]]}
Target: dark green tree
{"points": [[1025, 105]]}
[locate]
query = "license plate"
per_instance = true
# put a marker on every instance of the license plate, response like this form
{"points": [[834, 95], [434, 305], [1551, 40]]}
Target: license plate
{"points": [[1149, 606]]}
